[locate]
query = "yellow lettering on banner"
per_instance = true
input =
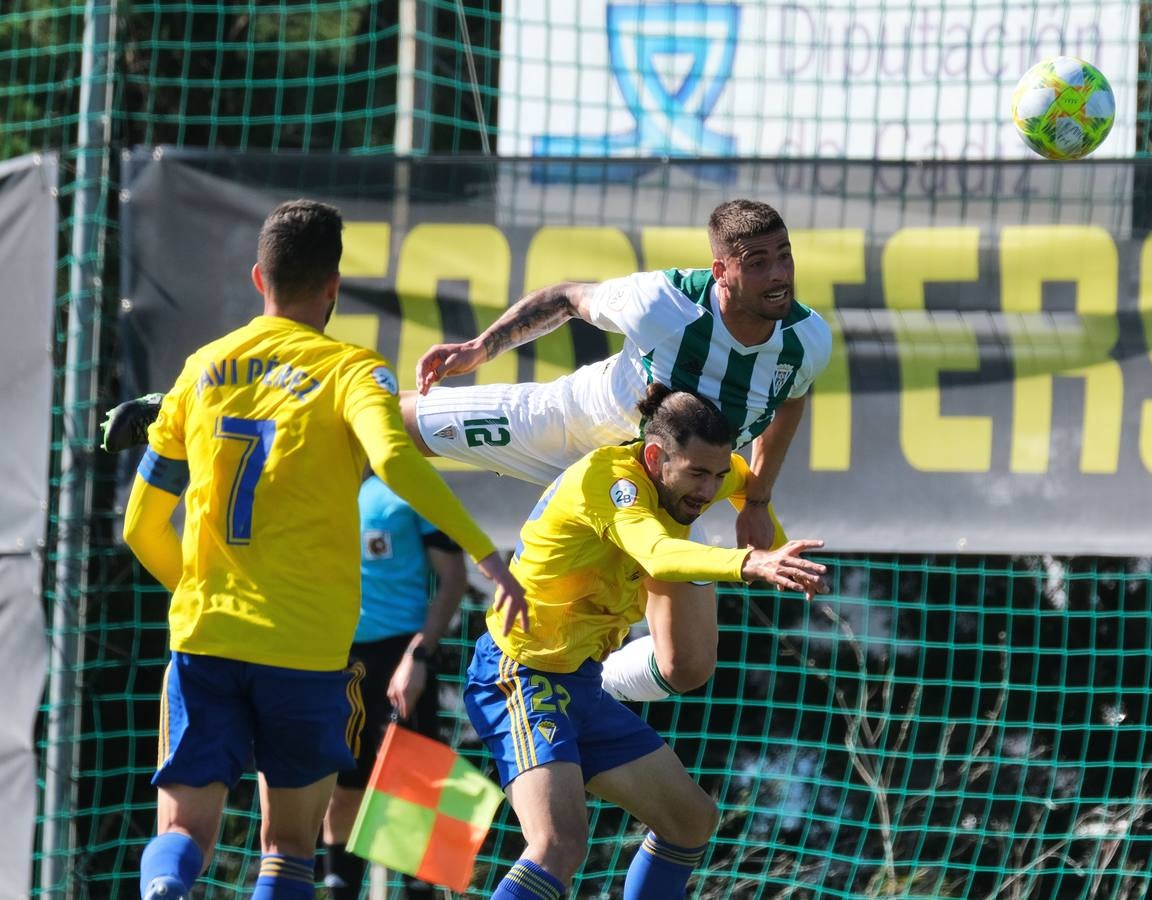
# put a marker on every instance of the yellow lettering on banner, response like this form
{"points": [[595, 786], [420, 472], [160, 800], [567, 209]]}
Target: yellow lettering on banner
{"points": [[675, 248], [572, 254], [1043, 346], [361, 329], [929, 344], [825, 258], [1145, 302], [366, 247], [477, 254]]}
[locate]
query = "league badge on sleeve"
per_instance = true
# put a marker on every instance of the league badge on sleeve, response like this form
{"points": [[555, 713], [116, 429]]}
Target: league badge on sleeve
{"points": [[623, 493], [383, 376]]}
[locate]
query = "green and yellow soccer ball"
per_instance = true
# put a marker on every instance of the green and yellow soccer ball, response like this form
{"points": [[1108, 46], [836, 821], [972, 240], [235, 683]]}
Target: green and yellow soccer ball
{"points": [[1063, 108]]}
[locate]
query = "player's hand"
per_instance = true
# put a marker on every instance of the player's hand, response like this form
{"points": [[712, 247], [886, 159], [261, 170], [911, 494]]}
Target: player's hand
{"points": [[786, 568], [754, 526], [407, 685], [509, 597], [443, 360]]}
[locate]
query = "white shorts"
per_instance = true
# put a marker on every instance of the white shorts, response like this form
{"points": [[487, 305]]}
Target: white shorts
{"points": [[531, 431]]}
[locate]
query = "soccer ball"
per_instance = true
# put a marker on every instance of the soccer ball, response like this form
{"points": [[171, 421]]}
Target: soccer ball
{"points": [[1063, 108]]}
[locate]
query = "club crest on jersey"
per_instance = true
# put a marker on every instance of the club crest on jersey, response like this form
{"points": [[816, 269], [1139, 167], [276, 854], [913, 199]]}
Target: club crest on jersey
{"points": [[783, 373], [547, 729], [623, 493], [383, 376]]}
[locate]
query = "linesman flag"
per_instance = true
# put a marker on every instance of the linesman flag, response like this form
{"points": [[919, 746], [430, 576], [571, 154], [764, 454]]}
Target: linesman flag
{"points": [[425, 811]]}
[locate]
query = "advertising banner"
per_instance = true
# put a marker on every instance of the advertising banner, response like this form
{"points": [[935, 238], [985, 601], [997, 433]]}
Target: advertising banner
{"points": [[990, 388], [832, 79]]}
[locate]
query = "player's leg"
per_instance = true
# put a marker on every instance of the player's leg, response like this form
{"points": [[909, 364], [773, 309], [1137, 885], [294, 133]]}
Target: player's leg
{"points": [[678, 654], [527, 431], [187, 821], [308, 728], [550, 804], [526, 718], [408, 400], [343, 871], [205, 742], [681, 817], [290, 820], [685, 635]]}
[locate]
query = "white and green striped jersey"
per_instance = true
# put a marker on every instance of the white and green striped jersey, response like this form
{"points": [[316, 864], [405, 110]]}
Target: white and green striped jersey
{"points": [[674, 334]]}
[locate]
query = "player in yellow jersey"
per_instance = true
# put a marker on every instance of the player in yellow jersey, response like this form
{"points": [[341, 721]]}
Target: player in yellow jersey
{"points": [[536, 698], [266, 432], [734, 333]]}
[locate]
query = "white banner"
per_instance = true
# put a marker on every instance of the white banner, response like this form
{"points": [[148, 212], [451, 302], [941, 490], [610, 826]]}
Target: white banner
{"points": [[858, 79]]}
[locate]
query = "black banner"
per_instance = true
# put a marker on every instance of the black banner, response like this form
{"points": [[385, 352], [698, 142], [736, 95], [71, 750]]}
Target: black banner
{"points": [[990, 388]]}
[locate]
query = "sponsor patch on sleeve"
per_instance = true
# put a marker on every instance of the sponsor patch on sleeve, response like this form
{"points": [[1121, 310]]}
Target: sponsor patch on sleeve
{"points": [[617, 298], [383, 376], [623, 493]]}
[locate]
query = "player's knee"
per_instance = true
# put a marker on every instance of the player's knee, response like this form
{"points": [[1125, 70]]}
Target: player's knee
{"points": [[408, 411], [694, 822], [560, 854], [688, 671]]}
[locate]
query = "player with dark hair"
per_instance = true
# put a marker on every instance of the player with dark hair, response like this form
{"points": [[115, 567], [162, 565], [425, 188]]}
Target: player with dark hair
{"points": [[537, 698], [266, 433], [733, 332]]}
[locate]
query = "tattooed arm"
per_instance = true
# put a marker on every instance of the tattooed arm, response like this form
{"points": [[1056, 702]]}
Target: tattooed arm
{"points": [[533, 315]]}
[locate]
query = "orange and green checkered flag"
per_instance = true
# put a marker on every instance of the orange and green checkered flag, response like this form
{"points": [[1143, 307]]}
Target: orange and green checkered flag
{"points": [[425, 811]]}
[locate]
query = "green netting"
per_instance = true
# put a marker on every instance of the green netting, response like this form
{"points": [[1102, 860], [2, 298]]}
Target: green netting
{"points": [[939, 727]]}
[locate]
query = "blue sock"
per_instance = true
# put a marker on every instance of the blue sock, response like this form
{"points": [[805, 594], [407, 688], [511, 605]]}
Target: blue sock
{"points": [[173, 854], [285, 878], [660, 871], [527, 881]]}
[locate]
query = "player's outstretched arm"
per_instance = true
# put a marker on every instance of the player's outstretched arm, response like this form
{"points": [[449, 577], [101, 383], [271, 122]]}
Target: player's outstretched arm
{"points": [[530, 317], [787, 568]]}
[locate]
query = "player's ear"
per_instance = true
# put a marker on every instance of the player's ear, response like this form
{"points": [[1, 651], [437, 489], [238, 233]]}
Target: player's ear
{"points": [[718, 272], [653, 456], [257, 277]]}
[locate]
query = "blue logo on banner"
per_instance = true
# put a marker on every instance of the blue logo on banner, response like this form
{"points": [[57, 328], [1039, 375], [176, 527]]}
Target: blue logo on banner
{"points": [[671, 118]]}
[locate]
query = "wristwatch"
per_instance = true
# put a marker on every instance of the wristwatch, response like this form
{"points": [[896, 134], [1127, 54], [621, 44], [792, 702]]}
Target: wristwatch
{"points": [[419, 653]]}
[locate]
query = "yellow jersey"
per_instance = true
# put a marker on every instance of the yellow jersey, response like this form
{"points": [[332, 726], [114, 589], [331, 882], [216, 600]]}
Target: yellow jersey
{"points": [[274, 423], [596, 532]]}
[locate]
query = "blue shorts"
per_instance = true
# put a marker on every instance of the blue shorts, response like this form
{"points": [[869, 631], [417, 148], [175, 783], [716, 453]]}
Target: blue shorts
{"points": [[528, 718], [219, 715]]}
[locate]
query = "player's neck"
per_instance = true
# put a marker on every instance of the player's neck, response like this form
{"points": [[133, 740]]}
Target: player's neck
{"points": [[747, 328], [309, 314]]}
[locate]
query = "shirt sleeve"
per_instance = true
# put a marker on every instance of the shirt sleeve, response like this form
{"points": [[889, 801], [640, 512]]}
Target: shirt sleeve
{"points": [[644, 307], [817, 339], [166, 435], [373, 413], [625, 511]]}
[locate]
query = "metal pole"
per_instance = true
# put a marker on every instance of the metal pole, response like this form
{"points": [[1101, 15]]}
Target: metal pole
{"points": [[78, 439]]}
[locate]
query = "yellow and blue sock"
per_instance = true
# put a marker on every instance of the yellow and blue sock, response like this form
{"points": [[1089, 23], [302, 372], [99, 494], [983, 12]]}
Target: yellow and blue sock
{"points": [[660, 871], [285, 878], [174, 855], [528, 881]]}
